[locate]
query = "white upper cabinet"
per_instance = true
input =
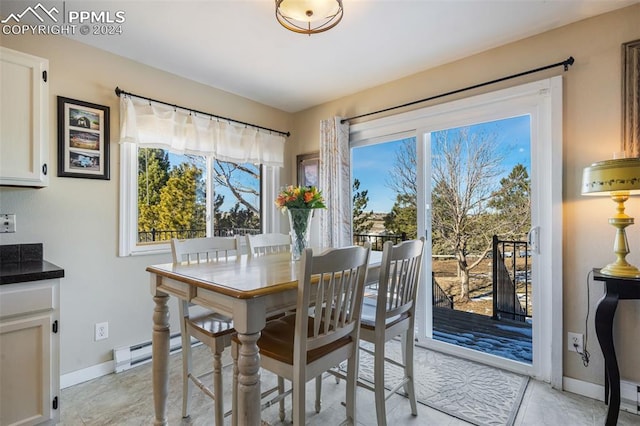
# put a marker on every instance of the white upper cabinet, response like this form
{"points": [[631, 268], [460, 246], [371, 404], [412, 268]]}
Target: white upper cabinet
{"points": [[24, 126]]}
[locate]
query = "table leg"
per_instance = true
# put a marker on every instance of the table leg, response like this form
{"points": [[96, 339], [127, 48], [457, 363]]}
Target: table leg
{"points": [[248, 380], [160, 359], [605, 313]]}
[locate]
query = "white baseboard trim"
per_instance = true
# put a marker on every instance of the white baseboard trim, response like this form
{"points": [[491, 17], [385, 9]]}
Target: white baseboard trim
{"points": [[580, 387], [124, 359], [86, 374], [629, 392]]}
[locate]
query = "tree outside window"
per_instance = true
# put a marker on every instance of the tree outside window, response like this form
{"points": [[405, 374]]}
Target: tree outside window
{"points": [[173, 196]]}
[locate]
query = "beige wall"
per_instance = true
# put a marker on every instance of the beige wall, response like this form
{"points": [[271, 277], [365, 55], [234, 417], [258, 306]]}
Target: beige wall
{"points": [[592, 115], [77, 220]]}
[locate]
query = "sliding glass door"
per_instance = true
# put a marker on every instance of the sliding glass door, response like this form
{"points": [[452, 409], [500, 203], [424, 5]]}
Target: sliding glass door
{"points": [[476, 177]]}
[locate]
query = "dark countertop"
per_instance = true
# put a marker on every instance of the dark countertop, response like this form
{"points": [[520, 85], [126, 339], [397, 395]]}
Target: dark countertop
{"points": [[19, 272], [23, 262]]}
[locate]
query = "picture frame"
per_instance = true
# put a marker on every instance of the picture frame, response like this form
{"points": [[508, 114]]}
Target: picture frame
{"points": [[83, 139], [308, 169], [631, 98]]}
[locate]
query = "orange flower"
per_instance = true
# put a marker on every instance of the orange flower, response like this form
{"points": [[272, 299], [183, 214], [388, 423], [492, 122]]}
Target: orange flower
{"points": [[308, 196]]}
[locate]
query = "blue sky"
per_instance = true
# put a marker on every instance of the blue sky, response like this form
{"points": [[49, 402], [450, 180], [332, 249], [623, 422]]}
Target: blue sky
{"points": [[373, 164]]}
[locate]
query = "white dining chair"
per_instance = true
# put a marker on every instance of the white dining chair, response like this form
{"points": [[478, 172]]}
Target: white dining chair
{"points": [[324, 329], [211, 328], [261, 244], [390, 314]]}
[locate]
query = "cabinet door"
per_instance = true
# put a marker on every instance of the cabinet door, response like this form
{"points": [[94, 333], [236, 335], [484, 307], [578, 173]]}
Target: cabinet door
{"points": [[25, 370], [24, 145]]}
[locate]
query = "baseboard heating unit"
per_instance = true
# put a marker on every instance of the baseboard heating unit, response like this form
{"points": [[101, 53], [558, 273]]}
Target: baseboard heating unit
{"points": [[127, 357]]}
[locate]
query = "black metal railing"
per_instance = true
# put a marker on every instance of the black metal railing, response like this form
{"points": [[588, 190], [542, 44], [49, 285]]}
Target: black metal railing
{"points": [[155, 235], [508, 275], [377, 241], [439, 297]]}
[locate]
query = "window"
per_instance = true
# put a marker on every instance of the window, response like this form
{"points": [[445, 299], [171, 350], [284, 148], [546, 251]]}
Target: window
{"points": [[167, 195]]}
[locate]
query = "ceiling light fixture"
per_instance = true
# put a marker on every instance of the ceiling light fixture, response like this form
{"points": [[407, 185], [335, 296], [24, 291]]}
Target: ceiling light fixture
{"points": [[308, 16]]}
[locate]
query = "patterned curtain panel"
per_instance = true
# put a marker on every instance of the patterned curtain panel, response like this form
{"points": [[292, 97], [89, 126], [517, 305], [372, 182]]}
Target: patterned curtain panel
{"points": [[154, 125], [335, 183]]}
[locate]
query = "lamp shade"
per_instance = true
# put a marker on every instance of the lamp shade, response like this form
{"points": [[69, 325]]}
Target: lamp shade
{"points": [[617, 178], [605, 177]]}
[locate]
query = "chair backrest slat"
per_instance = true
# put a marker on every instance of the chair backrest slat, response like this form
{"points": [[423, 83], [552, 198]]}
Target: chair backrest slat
{"points": [[209, 249], [330, 289], [399, 279], [261, 244]]}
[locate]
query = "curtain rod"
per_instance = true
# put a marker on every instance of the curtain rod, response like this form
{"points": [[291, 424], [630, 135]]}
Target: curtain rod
{"points": [[566, 63], [119, 92]]}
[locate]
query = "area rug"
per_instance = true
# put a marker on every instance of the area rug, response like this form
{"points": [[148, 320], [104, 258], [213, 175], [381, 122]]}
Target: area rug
{"points": [[473, 392]]}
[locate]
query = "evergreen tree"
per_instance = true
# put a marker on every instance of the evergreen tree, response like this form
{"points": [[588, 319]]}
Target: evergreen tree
{"points": [[362, 220], [153, 174], [403, 217], [512, 203], [181, 207]]}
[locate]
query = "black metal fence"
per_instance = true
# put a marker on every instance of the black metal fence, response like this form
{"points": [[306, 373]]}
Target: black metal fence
{"points": [[156, 235], [439, 297], [509, 274], [377, 241]]}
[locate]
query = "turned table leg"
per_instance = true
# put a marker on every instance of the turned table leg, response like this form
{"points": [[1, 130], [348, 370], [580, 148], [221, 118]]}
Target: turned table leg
{"points": [[160, 359]]}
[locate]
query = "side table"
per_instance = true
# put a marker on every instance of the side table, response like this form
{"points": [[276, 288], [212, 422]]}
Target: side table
{"points": [[616, 288]]}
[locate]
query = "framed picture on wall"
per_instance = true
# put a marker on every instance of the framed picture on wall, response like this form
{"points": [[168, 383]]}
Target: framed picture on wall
{"points": [[308, 169], [83, 139]]}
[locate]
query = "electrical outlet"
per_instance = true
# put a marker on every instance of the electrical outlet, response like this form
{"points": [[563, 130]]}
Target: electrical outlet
{"points": [[102, 331], [575, 342], [7, 223]]}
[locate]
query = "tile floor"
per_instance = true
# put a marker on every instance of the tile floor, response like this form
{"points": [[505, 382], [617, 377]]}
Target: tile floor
{"points": [[126, 399]]}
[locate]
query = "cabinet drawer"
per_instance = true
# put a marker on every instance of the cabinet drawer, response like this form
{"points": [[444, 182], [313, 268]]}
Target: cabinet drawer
{"points": [[19, 299]]}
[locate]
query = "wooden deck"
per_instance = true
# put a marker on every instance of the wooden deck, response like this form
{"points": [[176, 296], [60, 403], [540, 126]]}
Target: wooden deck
{"points": [[506, 338]]}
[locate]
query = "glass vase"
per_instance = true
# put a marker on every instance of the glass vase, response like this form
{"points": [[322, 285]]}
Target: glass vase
{"points": [[299, 219]]}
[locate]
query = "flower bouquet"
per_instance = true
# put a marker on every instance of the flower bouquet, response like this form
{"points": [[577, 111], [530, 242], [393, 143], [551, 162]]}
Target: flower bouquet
{"points": [[299, 202]]}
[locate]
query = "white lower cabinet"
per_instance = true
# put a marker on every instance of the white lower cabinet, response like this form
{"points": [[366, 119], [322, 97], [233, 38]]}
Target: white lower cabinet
{"points": [[29, 353]]}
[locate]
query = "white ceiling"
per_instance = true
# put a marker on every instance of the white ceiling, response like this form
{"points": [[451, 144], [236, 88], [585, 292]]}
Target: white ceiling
{"points": [[239, 47]]}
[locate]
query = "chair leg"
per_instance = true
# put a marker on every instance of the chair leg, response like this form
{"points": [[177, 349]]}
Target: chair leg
{"points": [[408, 371], [281, 411], [318, 393], [187, 385], [217, 386], [378, 383], [299, 397], [234, 391], [352, 377]]}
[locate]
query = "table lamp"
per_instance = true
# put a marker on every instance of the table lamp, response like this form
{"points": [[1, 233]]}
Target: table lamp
{"points": [[618, 178]]}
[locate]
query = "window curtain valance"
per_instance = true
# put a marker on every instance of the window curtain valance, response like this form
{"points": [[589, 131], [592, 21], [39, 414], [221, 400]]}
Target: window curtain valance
{"points": [[153, 125]]}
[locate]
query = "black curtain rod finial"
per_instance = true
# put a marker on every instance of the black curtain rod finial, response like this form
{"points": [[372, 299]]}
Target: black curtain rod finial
{"points": [[568, 63]]}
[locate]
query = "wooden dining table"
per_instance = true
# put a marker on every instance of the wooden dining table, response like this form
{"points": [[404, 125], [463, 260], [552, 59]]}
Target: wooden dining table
{"points": [[248, 289]]}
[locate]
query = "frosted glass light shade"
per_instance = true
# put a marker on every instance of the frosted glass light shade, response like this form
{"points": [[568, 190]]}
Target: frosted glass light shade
{"points": [[309, 10], [309, 16]]}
